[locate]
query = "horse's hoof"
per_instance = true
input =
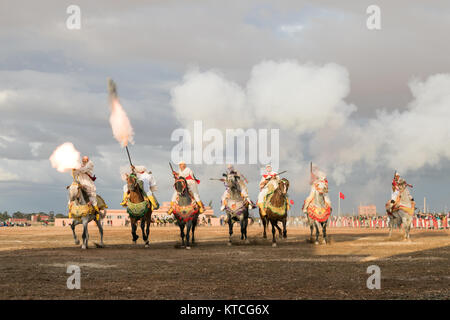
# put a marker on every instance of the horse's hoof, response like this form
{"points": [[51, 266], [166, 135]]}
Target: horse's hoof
{"points": [[247, 241], [229, 244], [316, 242], [83, 247], [146, 245], [77, 243], [188, 248], [274, 245], [99, 245], [134, 241]]}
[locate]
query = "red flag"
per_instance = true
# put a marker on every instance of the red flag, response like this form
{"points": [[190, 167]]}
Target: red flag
{"points": [[341, 195], [292, 202]]}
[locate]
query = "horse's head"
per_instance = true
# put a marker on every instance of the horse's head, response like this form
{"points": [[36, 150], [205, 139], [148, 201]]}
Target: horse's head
{"points": [[180, 185], [132, 183], [232, 182], [321, 186], [283, 186], [75, 192]]}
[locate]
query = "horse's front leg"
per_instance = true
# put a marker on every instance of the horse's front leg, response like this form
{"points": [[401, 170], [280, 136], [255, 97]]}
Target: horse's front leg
{"points": [[181, 225], [324, 231], [241, 223], [194, 223], [147, 228], [311, 227], [274, 240], [230, 228], [144, 235], [100, 230], [264, 222], [85, 237], [244, 226], [279, 229], [317, 232], [133, 230], [284, 227], [188, 230], [74, 223]]}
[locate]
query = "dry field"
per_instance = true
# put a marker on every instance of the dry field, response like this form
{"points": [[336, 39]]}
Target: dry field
{"points": [[33, 264]]}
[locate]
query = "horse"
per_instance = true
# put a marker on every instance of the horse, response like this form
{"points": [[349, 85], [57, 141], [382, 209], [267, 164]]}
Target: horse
{"points": [[236, 206], [318, 211], [186, 211], [82, 212], [138, 208], [276, 208], [401, 212]]}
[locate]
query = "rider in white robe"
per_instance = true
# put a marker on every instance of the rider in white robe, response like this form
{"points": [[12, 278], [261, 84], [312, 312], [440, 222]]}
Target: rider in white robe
{"points": [[269, 181], [243, 185], [149, 186], [192, 182], [85, 176]]}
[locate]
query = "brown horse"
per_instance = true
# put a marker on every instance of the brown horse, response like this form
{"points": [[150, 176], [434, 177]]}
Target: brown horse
{"points": [[276, 208], [138, 208], [186, 211]]}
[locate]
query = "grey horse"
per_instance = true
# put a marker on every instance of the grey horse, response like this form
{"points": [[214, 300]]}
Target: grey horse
{"points": [[79, 198], [236, 206], [401, 211]]}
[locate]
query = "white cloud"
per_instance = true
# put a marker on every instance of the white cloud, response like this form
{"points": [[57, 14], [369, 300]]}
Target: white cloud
{"points": [[291, 29]]}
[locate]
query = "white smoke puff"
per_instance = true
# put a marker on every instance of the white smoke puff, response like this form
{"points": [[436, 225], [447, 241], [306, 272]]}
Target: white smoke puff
{"points": [[65, 157], [406, 140], [299, 97], [421, 134], [124, 172], [208, 96]]}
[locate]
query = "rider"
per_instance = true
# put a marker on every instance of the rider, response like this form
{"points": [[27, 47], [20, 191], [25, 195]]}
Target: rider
{"points": [[192, 182], [269, 182], [149, 186], [242, 183], [319, 183], [85, 176]]}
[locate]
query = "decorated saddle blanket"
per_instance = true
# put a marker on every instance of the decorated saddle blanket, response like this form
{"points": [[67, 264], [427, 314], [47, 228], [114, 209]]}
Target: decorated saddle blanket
{"points": [[281, 211], [137, 210], [235, 207], [319, 214], [79, 211], [185, 213]]}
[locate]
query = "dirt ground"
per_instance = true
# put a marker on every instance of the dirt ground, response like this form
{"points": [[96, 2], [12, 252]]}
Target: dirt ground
{"points": [[34, 260]]}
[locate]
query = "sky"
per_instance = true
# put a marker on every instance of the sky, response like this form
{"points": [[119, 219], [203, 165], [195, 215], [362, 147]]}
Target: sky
{"points": [[359, 103]]}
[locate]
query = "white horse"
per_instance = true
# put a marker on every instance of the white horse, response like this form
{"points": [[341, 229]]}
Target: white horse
{"points": [[82, 212], [401, 211]]}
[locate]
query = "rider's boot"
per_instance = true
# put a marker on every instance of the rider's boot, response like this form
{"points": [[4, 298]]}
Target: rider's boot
{"points": [[154, 202], [222, 208], [124, 200], [263, 211], [97, 211], [171, 208], [201, 206]]}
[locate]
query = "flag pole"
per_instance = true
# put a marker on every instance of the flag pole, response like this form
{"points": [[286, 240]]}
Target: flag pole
{"points": [[339, 206]]}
